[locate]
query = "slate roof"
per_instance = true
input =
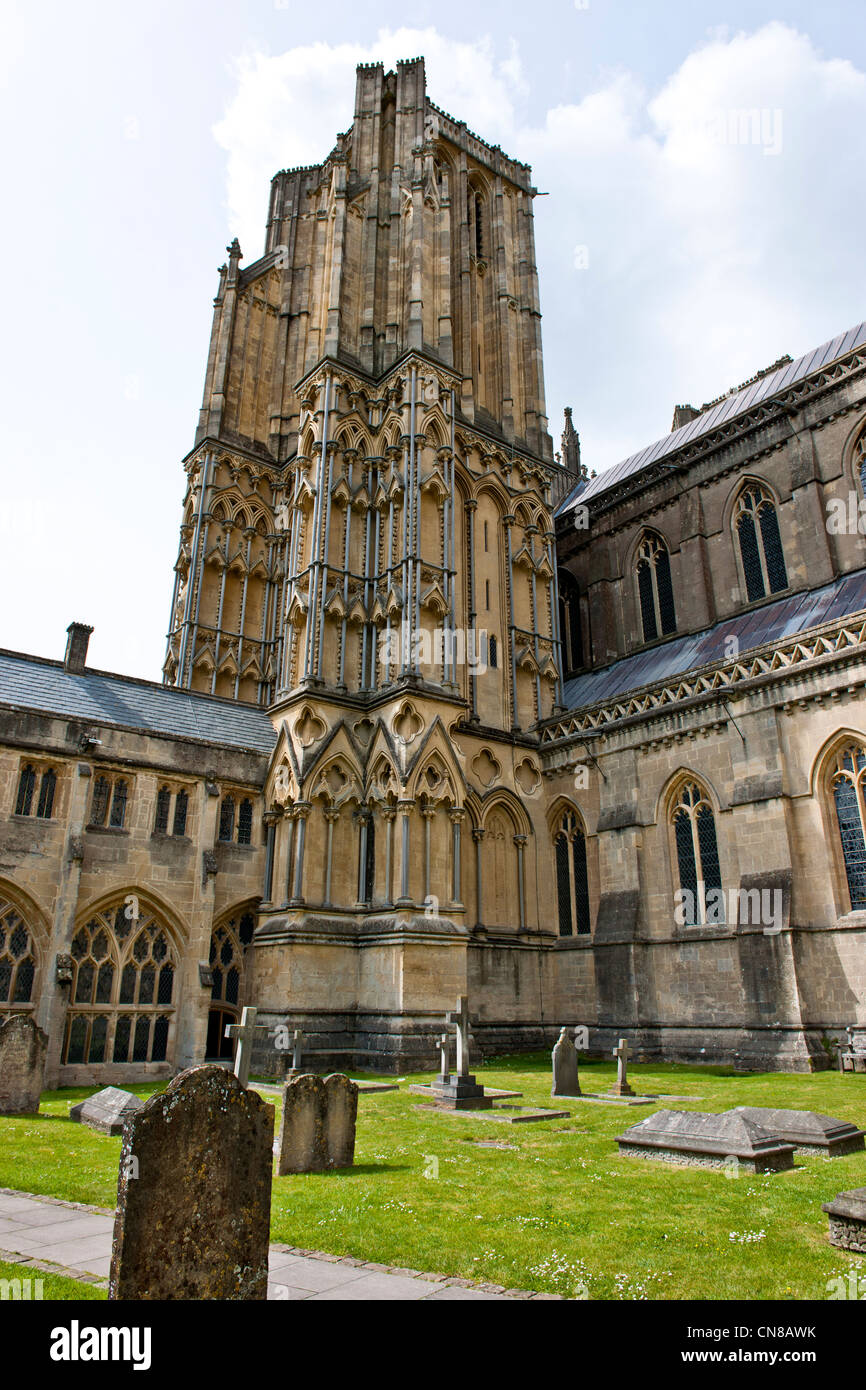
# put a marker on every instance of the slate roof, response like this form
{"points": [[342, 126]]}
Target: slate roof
{"points": [[772, 622], [96, 697], [736, 404]]}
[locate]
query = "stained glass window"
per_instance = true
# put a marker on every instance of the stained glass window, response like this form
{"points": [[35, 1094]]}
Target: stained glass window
{"points": [[17, 957], [655, 589], [572, 883], [761, 552], [848, 793], [694, 827]]}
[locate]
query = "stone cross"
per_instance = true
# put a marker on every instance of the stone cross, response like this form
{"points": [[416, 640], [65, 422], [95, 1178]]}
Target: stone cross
{"points": [[242, 1033], [622, 1054], [297, 1039], [444, 1059], [460, 1017]]}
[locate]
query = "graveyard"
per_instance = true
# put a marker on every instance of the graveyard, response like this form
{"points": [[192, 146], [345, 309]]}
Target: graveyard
{"points": [[547, 1205]]}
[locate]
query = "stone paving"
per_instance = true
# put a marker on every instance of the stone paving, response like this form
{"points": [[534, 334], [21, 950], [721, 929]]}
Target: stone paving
{"points": [[75, 1240]]}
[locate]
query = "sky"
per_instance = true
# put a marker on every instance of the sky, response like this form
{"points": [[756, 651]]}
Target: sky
{"points": [[702, 162]]}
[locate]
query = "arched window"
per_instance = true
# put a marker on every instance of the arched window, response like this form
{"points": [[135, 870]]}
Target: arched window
{"points": [[367, 862], [121, 1001], [572, 883], [109, 800], [163, 807], [849, 771], [245, 822], [569, 622], [26, 787], [181, 805], [228, 948], [658, 615], [227, 818], [47, 788], [760, 543], [860, 461], [17, 957], [475, 218], [694, 827]]}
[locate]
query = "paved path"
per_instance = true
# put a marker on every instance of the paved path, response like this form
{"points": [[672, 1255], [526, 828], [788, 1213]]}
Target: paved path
{"points": [[78, 1239]]}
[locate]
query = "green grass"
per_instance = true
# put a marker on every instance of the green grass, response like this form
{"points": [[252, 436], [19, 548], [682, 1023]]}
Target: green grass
{"points": [[53, 1286], [560, 1210]]}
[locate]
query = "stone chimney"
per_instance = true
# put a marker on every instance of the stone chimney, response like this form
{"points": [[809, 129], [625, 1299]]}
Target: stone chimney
{"points": [[682, 415], [78, 636]]}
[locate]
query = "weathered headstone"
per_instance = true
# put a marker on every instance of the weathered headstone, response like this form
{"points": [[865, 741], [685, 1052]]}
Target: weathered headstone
{"points": [[621, 1086], [243, 1034], [847, 1213], [444, 1058], [107, 1111], [194, 1193], [726, 1141], [808, 1130], [317, 1131], [565, 1078], [23, 1047], [461, 1092]]}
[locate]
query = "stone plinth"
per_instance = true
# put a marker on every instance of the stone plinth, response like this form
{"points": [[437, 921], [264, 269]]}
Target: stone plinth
{"points": [[847, 1213], [707, 1141], [808, 1130]]}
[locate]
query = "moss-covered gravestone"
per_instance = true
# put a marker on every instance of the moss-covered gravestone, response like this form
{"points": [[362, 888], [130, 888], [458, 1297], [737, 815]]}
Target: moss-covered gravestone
{"points": [[318, 1124], [22, 1065], [194, 1193]]}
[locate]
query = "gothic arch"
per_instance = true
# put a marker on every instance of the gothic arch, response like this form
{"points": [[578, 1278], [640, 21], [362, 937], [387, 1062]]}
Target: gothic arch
{"points": [[854, 457], [739, 487], [149, 899], [500, 798], [24, 941]]}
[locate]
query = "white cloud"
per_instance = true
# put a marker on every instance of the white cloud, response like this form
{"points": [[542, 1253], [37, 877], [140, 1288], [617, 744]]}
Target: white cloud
{"points": [[704, 259]]}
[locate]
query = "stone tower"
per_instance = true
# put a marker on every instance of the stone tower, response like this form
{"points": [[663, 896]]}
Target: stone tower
{"points": [[367, 547]]}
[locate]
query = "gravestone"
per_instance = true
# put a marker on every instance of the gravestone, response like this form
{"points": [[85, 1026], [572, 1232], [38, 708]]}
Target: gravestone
{"points": [[107, 1111], [565, 1078], [460, 1092], [243, 1033], [317, 1131], [725, 1141], [23, 1047], [621, 1086], [194, 1193], [808, 1130], [847, 1213], [444, 1059]]}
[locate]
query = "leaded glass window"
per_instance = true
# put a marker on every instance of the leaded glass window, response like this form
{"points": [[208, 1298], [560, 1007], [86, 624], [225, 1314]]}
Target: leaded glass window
{"points": [[227, 818], [228, 947], [757, 525], [655, 589], [694, 827], [108, 802], [860, 461], [26, 786], [849, 771], [163, 807], [122, 995], [17, 957], [47, 788], [181, 807], [245, 822], [572, 883]]}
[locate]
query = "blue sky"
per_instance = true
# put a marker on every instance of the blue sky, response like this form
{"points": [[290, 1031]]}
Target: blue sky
{"points": [[680, 249]]}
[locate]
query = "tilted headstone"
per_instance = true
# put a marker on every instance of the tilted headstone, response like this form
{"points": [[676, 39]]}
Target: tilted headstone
{"points": [[847, 1213], [565, 1077], [194, 1193], [808, 1130], [707, 1141], [107, 1111], [23, 1047], [317, 1131], [243, 1034]]}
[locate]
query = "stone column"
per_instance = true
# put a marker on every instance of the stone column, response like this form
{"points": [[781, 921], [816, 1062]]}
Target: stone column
{"points": [[520, 842], [455, 815], [54, 999], [302, 810], [404, 810], [389, 816], [478, 837], [427, 813], [332, 815]]}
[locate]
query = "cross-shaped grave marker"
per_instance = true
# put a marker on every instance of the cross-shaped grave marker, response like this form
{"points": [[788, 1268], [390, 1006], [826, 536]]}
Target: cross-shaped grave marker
{"points": [[622, 1054], [242, 1033], [297, 1041], [460, 1017], [444, 1057]]}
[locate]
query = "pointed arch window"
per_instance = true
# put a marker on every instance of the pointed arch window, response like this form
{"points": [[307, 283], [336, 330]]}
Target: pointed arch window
{"points": [[847, 782], [655, 590], [163, 807], [17, 958], [122, 995], [475, 218], [860, 461], [227, 819], [694, 827], [570, 633], [26, 786], [572, 882], [757, 525], [181, 807]]}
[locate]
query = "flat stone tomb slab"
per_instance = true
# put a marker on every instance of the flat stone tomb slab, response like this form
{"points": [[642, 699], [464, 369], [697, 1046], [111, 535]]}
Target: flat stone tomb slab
{"points": [[808, 1130], [707, 1141], [107, 1111], [370, 1088], [503, 1114], [847, 1213], [490, 1091], [604, 1099]]}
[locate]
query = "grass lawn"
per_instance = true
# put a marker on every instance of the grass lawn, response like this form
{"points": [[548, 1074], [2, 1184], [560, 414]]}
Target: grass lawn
{"points": [[558, 1210], [53, 1286]]}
